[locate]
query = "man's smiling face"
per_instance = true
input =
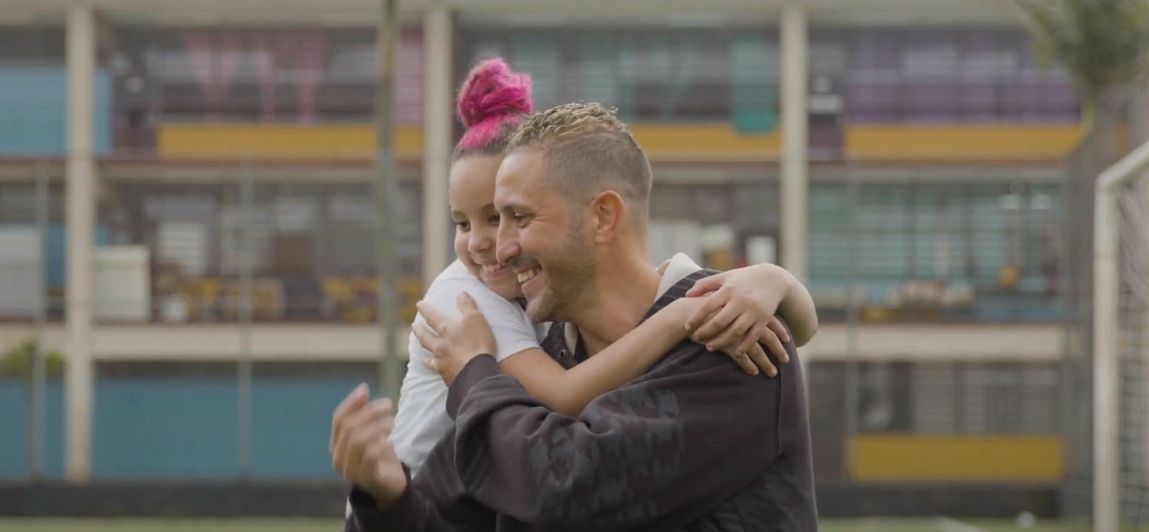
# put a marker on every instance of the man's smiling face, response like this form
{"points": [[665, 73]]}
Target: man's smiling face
{"points": [[542, 237]]}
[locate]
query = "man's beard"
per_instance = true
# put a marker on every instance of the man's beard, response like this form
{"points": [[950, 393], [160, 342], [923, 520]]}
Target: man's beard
{"points": [[569, 281]]}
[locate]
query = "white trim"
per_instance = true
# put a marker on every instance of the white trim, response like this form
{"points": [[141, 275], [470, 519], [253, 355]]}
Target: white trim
{"points": [[1126, 169], [353, 343]]}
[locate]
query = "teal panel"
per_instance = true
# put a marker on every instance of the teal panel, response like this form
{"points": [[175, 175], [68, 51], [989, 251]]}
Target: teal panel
{"points": [[755, 104], [598, 81], [13, 429], [34, 121], [291, 426], [14, 412], [165, 428], [58, 251], [538, 55], [182, 428], [188, 428]]}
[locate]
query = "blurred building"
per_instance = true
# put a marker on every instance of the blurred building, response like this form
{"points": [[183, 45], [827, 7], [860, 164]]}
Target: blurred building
{"points": [[242, 130]]}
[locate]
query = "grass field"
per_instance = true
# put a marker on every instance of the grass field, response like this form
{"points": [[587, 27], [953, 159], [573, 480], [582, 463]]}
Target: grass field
{"points": [[314, 525]]}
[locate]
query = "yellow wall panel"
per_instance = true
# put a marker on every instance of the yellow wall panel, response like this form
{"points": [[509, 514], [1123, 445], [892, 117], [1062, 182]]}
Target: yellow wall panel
{"points": [[993, 458], [704, 141], [715, 141], [314, 141], [961, 141], [668, 142]]}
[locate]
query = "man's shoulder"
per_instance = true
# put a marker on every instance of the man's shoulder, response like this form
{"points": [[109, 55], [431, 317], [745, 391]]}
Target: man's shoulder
{"points": [[677, 291], [683, 285], [689, 358]]}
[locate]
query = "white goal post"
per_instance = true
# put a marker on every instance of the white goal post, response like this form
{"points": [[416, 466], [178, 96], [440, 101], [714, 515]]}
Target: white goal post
{"points": [[1108, 334]]}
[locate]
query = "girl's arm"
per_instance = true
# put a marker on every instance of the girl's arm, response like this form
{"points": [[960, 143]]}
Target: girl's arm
{"points": [[454, 343], [768, 288], [569, 391], [750, 295], [799, 311]]}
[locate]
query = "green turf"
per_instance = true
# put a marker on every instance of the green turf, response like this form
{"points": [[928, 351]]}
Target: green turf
{"points": [[944, 525], [333, 525]]}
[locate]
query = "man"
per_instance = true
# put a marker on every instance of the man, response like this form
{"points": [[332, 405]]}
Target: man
{"points": [[694, 444]]}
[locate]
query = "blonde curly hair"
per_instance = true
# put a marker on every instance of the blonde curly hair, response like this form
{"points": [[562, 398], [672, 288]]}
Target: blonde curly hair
{"points": [[566, 121], [588, 150]]}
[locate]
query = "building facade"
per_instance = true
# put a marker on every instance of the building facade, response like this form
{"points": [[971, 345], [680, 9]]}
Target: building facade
{"points": [[910, 169]]}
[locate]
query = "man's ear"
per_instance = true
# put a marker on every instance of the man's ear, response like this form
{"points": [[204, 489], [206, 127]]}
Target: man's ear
{"points": [[608, 211]]}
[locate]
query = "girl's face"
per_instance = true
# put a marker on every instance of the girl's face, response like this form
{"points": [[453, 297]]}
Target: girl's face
{"points": [[471, 191]]}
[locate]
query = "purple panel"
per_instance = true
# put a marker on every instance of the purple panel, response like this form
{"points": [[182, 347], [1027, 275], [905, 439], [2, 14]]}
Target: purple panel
{"points": [[932, 102], [979, 99], [1012, 97], [869, 102], [409, 72], [965, 75], [1033, 102], [876, 49]]}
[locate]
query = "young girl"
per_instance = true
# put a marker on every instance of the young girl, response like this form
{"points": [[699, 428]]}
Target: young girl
{"points": [[491, 103]]}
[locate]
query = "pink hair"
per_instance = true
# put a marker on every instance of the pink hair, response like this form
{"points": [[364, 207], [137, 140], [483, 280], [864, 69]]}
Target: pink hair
{"points": [[492, 100]]}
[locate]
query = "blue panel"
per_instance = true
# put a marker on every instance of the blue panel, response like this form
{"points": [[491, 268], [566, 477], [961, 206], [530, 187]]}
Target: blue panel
{"points": [[540, 56], [53, 454], [14, 426], [58, 251], [103, 113], [182, 428], [754, 105], [291, 419], [35, 116], [165, 428]]}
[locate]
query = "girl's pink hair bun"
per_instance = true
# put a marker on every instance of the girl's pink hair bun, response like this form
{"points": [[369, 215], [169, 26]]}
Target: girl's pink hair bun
{"points": [[491, 96]]}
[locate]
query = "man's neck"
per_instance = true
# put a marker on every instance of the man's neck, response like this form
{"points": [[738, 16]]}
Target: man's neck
{"points": [[621, 299]]}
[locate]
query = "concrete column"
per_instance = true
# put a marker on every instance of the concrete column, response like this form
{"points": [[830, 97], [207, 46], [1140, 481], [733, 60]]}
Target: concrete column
{"points": [[794, 138], [438, 117], [81, 203]]}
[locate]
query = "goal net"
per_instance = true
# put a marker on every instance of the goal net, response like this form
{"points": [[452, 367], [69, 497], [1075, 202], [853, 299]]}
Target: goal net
{"points": [[1121, 328]]}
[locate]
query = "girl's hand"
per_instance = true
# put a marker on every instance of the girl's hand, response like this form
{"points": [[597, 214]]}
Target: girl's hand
{"points": [[739, 310], [746, 351], [454, 343]]}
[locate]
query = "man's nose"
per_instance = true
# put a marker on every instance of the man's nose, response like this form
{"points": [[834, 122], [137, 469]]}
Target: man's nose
{"points": [[507, 248], [507, 253]]}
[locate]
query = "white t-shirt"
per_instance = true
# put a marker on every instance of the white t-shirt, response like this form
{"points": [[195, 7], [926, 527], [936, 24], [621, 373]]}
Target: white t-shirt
{"points": [[422, 418]]}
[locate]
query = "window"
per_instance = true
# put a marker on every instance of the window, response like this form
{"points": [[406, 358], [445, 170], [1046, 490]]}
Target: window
{"points": [[936, 251], [650, 76], [952, 76]]}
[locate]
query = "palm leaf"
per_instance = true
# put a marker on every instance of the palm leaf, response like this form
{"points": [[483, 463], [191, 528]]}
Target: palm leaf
{"points": [[1103, 44]]}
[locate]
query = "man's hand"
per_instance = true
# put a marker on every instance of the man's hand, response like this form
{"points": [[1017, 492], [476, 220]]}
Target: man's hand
{"points": [[454, 343], [361, 447]]}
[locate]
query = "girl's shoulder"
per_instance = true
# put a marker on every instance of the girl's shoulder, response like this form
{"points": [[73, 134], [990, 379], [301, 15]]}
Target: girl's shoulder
{"points": [[443, 294], [455, 279]]}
